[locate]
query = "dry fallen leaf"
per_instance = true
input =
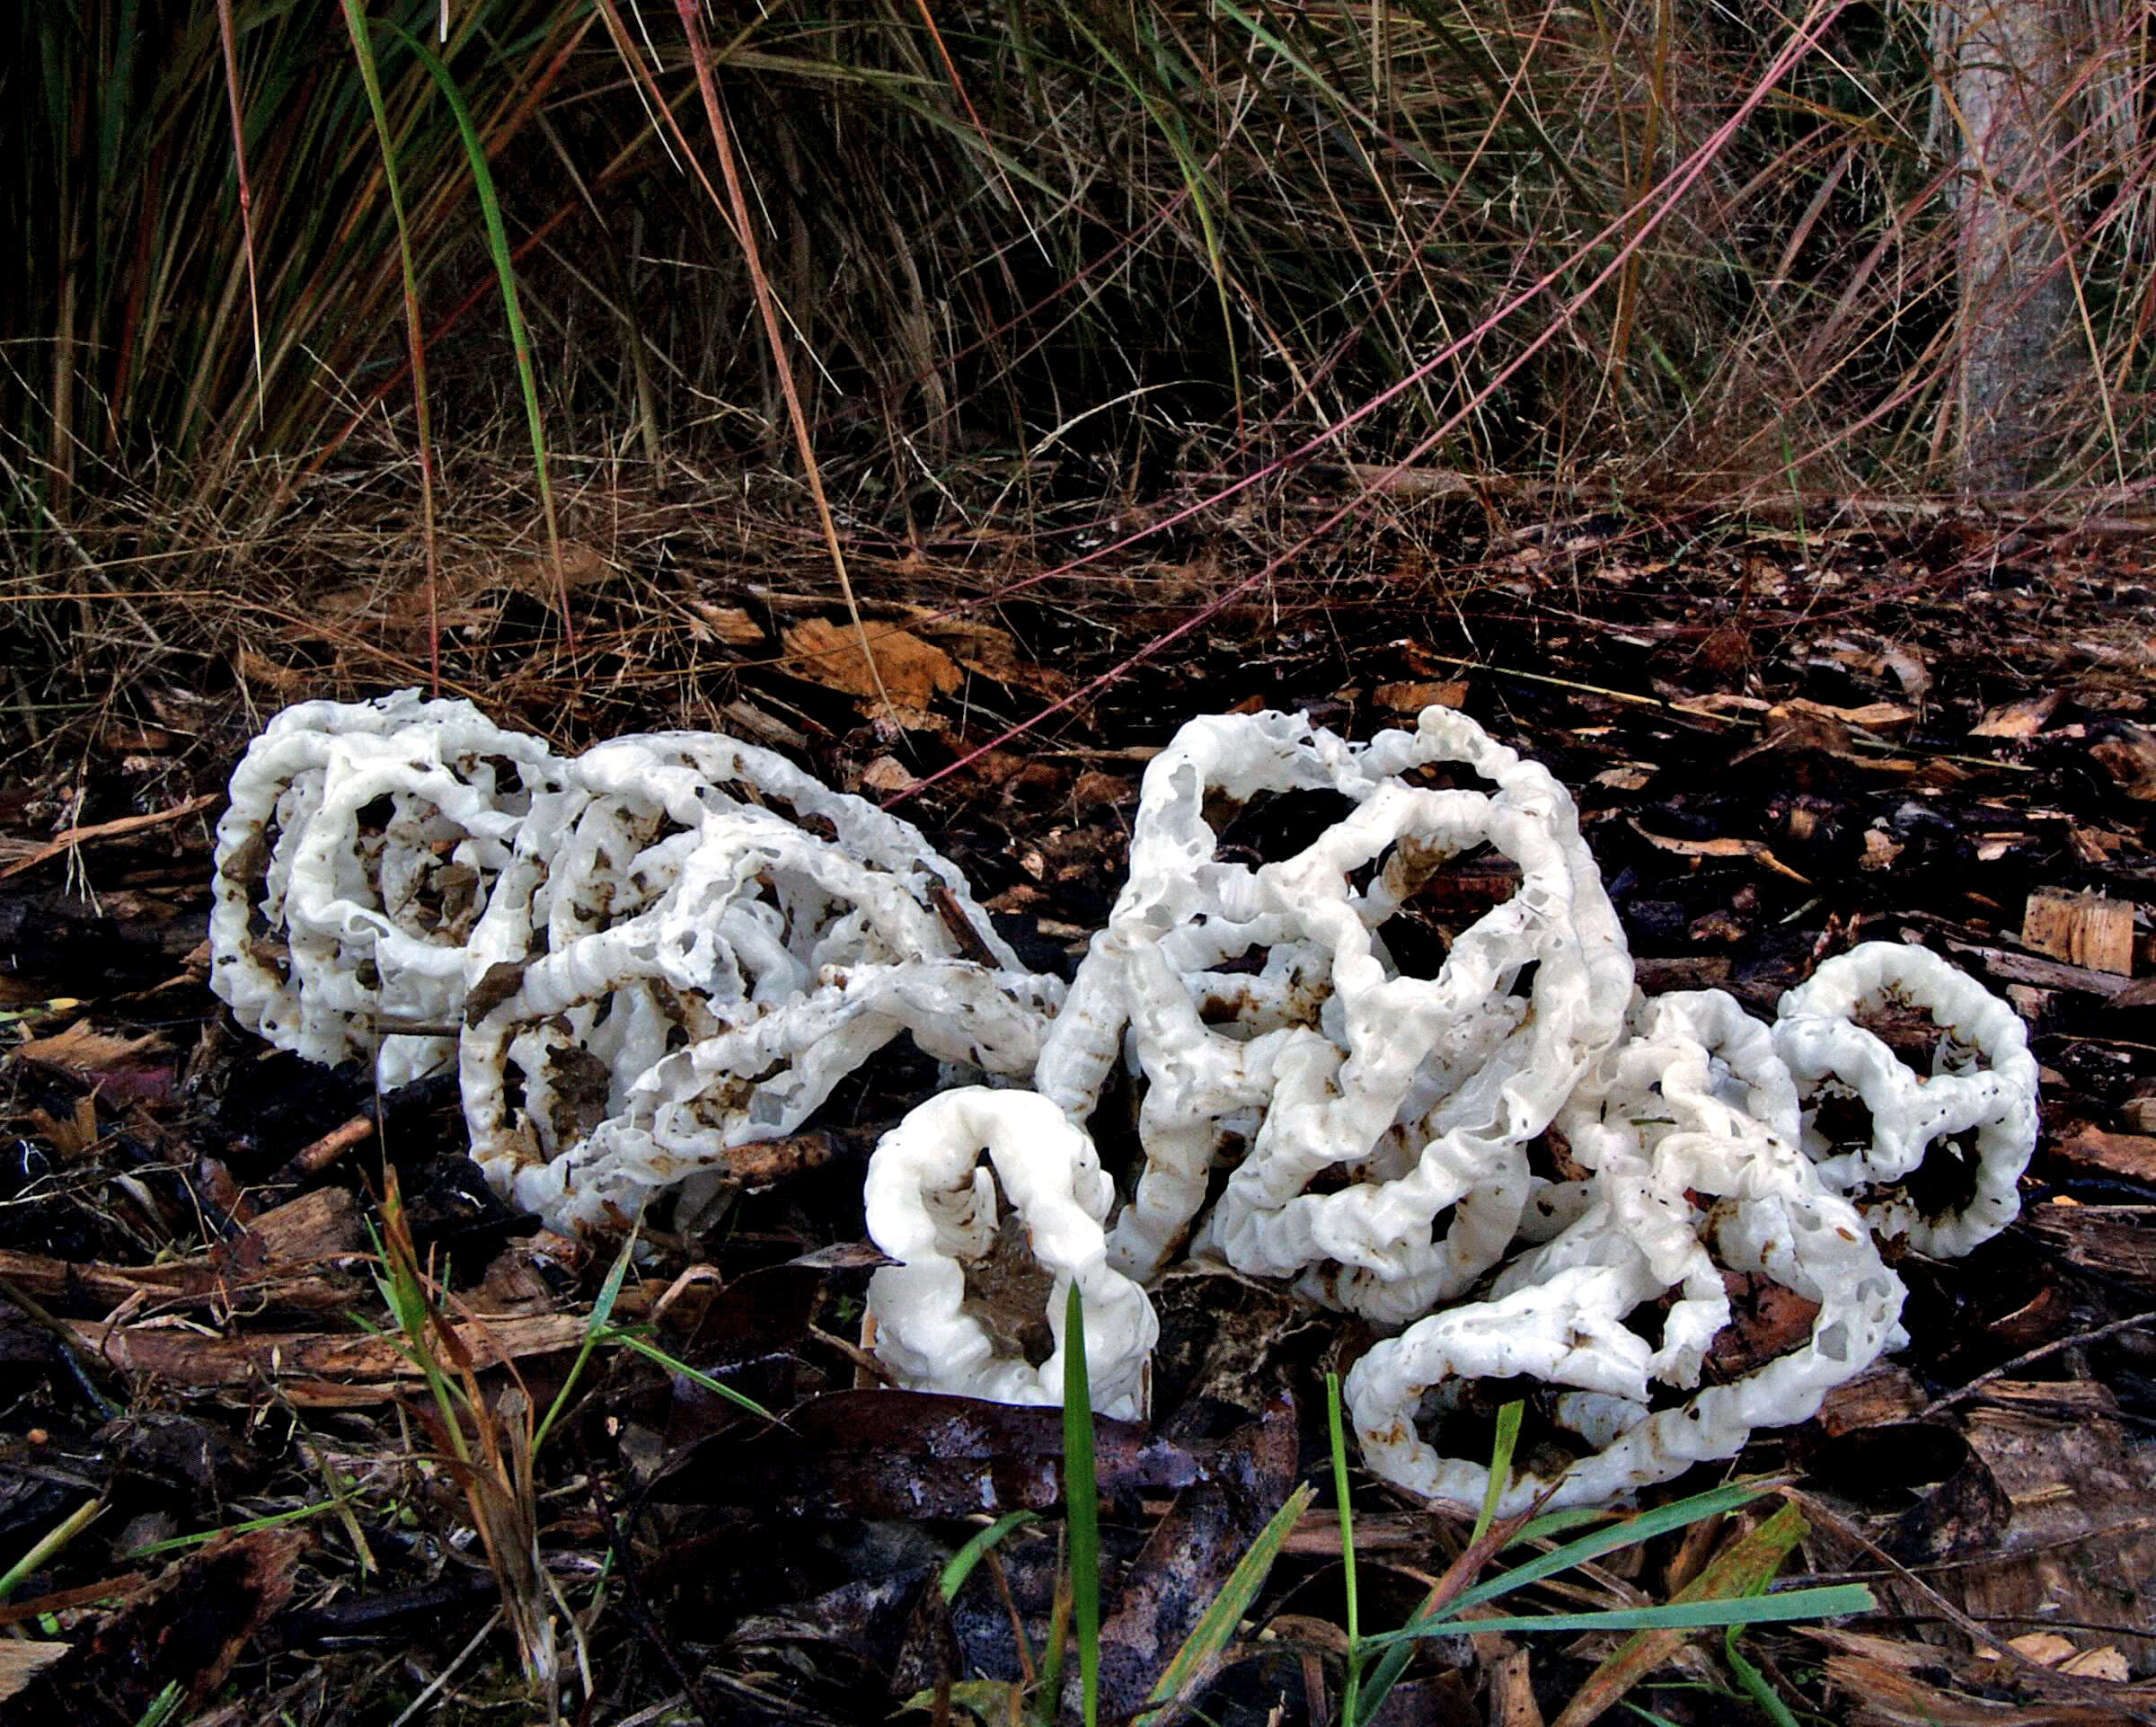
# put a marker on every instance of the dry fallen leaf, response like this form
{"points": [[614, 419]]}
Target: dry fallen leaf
{"points": [[915, 672], [582, 566], [731, 625], [1873, 715], [1880, 850], [885, 774], [70, 1135], [1413, 698], [2045, 1647], [1750, 848], [2129, 756], [286, 681], [78, 1050], [19, 1662], [2022, 719]]}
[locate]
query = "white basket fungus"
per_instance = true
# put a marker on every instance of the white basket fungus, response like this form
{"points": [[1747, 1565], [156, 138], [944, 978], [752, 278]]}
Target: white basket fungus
{"points": [[1690, 1185], [628, 1059], [1905, 1169], [675, 945], [931, 1204], [357, 854], [1328, 1057]]}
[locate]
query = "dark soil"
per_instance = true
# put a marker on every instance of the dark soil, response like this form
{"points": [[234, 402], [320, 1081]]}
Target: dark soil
{"points": [[1783, 740]]}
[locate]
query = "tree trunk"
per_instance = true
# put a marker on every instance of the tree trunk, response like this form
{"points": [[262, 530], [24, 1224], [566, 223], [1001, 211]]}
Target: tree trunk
{"points": [[2009, 67]]}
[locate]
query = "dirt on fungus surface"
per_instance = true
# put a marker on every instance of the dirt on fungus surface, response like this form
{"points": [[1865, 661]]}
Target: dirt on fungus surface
{"points": [[1783, 743]]}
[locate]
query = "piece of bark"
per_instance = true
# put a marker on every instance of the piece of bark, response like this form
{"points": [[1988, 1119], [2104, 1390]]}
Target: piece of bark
{"points": [[187, 1629], [2009, 967], [2082, 1534], [1879, 1394], [274, 1262], [2090, 1151], [359, 1368], [1689, 971], [2115, 1240], [2086, 929]]}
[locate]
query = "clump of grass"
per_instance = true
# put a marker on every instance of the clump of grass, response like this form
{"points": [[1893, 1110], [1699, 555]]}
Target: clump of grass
{"points": [[1048, 253]]}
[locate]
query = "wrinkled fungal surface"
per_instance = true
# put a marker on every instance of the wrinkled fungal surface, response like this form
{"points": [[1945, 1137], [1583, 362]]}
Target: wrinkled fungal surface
{"points": [[636, 959], [627, 1060], [357, 854], [675, 945], [931, 1206], [1940, 1152], [671, 969], [1415, 1097], [1690, 1188]]}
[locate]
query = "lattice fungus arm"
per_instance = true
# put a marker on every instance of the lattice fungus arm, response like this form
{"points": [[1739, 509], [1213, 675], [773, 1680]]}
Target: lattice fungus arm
{"points": [[931, 1206], [630, 1059], [358, 852], [1334, 1057], [1469, 1067], [1690, 1188], [1982, 1089]]}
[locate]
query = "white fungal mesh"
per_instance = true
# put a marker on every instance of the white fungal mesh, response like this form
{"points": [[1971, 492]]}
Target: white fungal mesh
{"points": [[932, 1207], [1331, 1061], [672, 946], [358, 851], [1689, 1187], [1981, 1089]]}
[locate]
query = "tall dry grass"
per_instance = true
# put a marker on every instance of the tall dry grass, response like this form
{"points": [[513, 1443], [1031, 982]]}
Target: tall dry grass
{"points": [[1027, 255]]}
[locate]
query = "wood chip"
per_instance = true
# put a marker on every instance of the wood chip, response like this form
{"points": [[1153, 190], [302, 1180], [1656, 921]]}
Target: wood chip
{"points": [[2130, 1156], [357, 1367], [2086, 929]]}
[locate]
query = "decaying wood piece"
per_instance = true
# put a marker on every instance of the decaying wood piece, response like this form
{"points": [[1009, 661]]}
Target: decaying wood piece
{"points": [[187, 1628], [2086, 929], [2124, 1157], [359, 1368], [282, 1260], [2116, 1241]]}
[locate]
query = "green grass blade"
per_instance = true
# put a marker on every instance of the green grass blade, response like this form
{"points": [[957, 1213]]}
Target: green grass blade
{"points": [[601, 1310], [1337, 1435], [1500, 1466], [415, 337], [239, 159], [49, 1544], [1186, 1670], [1830, 1601], [269, 1520], [961, 1564], [1755, 1682], [1081, 1504], [1645, 1527], [650, 1351], [498, 248], [1677, 1515], [164, 1706]]}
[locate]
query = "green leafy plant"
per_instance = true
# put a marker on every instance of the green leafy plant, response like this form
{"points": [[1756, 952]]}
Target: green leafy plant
{"points": [[1728, 1596]]}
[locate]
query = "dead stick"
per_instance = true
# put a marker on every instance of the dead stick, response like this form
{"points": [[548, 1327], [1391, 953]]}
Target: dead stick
{"points": [[74, 836]]}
